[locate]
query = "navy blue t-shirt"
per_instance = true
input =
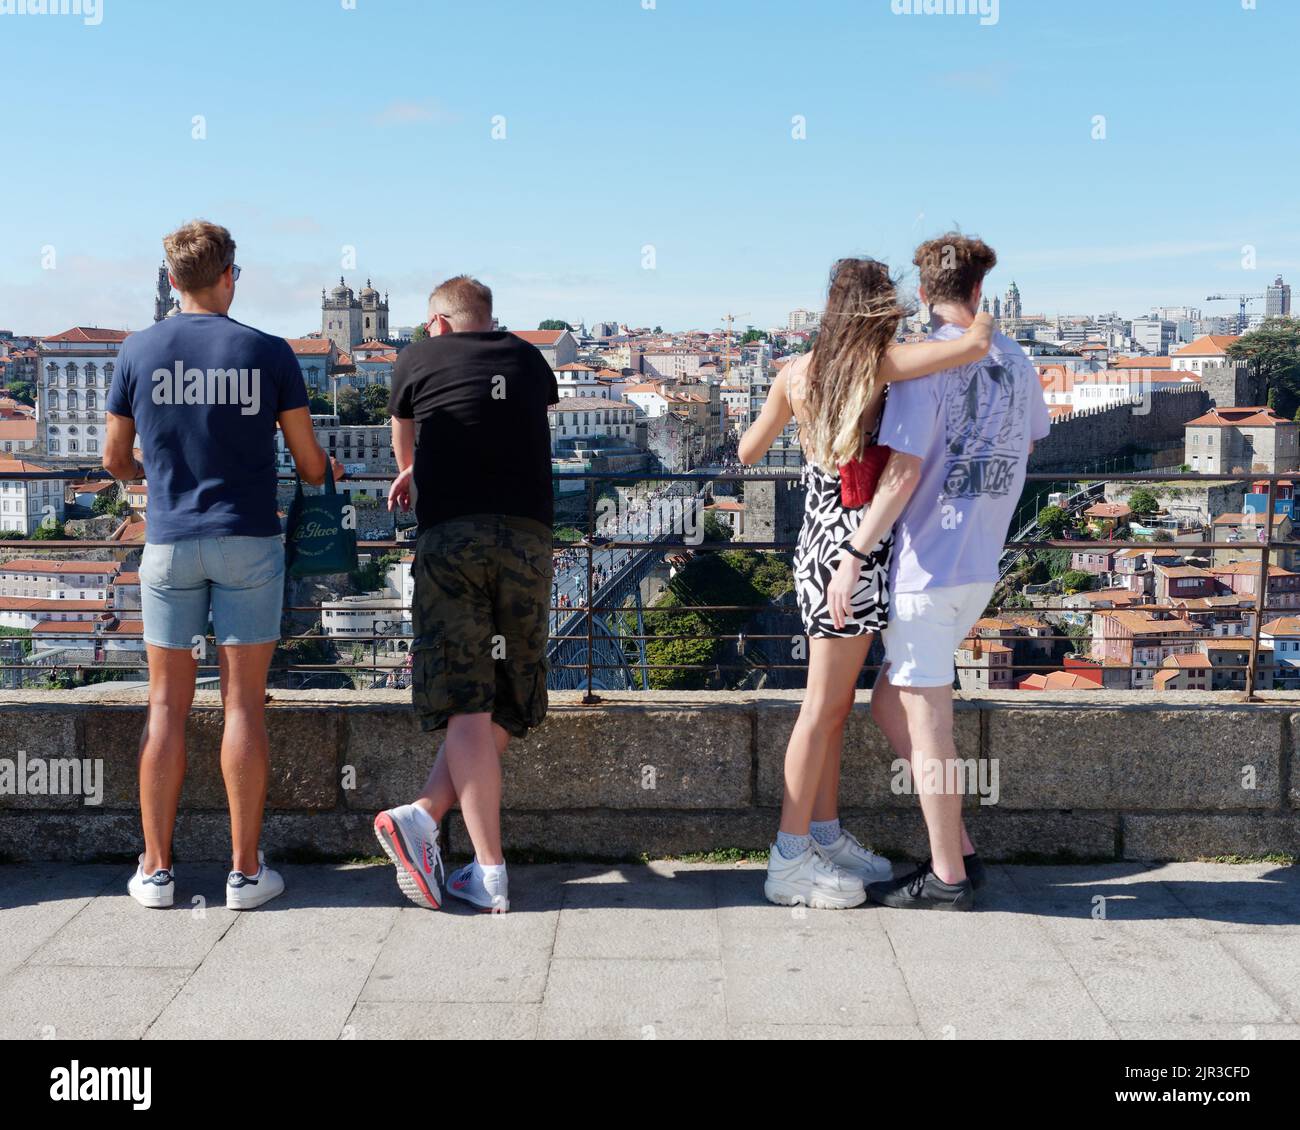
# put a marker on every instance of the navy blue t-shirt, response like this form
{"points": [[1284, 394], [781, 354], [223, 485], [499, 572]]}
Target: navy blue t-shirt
{"points": [[204, 392]]}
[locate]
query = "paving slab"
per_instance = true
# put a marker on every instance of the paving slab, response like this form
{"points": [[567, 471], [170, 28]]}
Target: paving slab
{"points": [[652, 913], [406, 1020], [1175, 980], [633, 1000], [842, 979], [72, 1003], [659, 951], [1032, 1000]]}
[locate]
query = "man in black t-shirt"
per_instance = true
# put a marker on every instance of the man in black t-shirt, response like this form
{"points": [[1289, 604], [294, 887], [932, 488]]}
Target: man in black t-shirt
{"points": [[473, 444]]}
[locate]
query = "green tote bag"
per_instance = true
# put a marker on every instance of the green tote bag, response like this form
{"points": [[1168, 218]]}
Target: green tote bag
{"points": [[317, 540]]}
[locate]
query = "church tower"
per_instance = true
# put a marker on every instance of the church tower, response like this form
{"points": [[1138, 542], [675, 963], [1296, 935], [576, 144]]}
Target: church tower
{"points": [[1013, 307], [374, 315], [163, 303]]}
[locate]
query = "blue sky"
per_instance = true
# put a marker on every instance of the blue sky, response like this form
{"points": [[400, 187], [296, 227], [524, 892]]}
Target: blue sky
{"points": [[371, 127]]}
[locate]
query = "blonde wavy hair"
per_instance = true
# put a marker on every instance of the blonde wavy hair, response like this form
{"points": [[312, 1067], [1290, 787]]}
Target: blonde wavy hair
{"points": [[844, 391]]}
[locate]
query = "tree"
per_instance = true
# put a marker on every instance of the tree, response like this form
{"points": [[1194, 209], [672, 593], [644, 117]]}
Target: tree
{"points": [[319, 405], [52, 532], [351, 411], [374, 399], [24, 393], [1143, 502], [554, 324], [715, 529], [419, 333], [112, 504], [1076, 580], [1054, 521], [752, 334], [1162, 535], [1273, 351]]}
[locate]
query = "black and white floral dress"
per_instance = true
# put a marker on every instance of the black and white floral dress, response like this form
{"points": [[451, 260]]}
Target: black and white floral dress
{"points": [[827, 525]]}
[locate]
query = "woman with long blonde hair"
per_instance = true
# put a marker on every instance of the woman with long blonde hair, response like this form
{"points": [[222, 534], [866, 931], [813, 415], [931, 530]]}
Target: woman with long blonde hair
{"points": [[836, 394]]}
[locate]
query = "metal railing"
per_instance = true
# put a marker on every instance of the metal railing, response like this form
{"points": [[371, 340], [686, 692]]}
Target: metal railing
{"points": [[607, 599]]}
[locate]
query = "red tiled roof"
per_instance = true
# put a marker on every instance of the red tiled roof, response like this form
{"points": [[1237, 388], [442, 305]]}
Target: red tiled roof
{"points": [[88, 335], [1283, 626], [310, 346], [49, 604], [1108, 510], [18, 429], [1212, 345], [1258, 416], [539, 337], [18, 465], [87, 627], [1140, 362], [32, 565]]}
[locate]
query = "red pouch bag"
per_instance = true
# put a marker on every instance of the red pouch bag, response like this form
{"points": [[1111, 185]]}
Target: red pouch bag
{"points": [[858, 477]]}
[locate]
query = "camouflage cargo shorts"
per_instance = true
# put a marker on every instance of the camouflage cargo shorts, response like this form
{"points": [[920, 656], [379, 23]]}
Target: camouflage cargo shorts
{"points": [[481, 620]]}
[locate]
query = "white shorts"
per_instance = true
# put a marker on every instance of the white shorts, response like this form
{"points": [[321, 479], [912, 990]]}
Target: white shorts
{"points": [[926, 628]]}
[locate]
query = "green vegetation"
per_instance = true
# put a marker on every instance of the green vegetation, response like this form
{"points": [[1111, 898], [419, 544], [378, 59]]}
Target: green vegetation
{"points": [[1076, 580], [53, 532], [1054, 521], [110, 505], [370, 577], [554, 324], [24, 392], [733, 578], [715, 529], [12, 535], [1143, 502], [18, 633], [1273, 351]]}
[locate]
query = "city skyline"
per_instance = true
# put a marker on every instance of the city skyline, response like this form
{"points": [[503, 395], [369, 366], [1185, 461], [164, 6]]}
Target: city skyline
{"points": [[558, 177]]}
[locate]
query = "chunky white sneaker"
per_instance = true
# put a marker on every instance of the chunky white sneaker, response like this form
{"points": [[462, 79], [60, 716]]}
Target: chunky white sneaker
{"points": [[811, 880], [487, 893], [849, 855], [244, 892], [409, 836], [154, 891]]}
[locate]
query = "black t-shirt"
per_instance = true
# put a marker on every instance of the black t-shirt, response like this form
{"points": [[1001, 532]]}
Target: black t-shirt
{"points": [[482, 436]]}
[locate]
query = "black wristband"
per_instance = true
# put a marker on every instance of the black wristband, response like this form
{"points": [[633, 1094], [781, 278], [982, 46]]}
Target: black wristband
{"points": [[848, 547]]}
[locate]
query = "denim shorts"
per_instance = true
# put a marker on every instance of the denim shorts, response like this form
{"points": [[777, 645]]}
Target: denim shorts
{"points": [[239, 580]]}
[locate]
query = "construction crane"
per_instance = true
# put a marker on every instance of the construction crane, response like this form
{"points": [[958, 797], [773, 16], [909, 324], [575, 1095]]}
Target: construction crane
{"points": [[726, 379], [1242, 299]]}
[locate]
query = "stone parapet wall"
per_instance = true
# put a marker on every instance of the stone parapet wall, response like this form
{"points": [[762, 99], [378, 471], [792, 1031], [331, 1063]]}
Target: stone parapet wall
{"points": [[1105, 775]]}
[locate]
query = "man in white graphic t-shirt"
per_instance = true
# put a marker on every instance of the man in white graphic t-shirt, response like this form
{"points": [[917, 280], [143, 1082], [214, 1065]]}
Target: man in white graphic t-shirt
{"points": [[961, 441]]}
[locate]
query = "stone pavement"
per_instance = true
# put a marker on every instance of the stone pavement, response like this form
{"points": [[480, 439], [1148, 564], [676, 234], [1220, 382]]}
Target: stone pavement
{"points": [[654, 952]]}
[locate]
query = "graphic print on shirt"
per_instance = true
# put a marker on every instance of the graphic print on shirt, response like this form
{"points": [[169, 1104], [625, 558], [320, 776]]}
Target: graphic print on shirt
{"points": [[985, 431]]}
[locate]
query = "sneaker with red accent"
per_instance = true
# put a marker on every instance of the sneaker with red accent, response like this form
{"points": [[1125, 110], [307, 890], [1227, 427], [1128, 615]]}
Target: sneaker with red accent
{"points": [[409, 836], [487, 891]]}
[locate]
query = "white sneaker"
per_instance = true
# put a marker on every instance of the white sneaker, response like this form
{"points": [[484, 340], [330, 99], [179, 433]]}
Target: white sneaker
{"points": [[490, 893], [154, 891], [811, 880], [244, 892], [409, 835], [849, 855]]}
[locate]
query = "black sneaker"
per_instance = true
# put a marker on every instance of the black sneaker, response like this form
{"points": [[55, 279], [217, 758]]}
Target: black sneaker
{"points": [[922, 889], [976, 872]]}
